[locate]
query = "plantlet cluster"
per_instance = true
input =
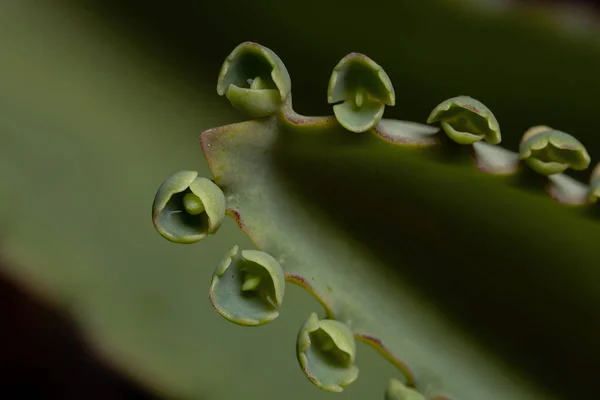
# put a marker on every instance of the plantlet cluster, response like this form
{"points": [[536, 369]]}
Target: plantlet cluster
{"points": [[261, 170]]}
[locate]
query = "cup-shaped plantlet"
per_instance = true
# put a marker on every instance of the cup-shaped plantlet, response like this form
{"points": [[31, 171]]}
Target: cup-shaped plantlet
{"points": [[594, 189], [254, 80], [466, 120], [548, 151], [326, 351], [248, 287], [396, 390], [188, 207], [359, 89]]}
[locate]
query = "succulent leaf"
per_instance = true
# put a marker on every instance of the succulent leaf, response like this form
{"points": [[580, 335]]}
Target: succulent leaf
{"points": [[248, 287], [360, 90], [548, 151], [254, 80], [282, 222], [466, 120], [326, 351], [292, 182], [187, 208]]}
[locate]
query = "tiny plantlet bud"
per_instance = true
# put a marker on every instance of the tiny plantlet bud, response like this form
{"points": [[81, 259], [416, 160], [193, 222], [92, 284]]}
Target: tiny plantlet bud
{"points": [[359, 89], [254, 80], [248, 287], [258, 83], [466, 120], [327, 344], [187, 208], [359, 100], [326, 352], [548, 151], [192, 203], [251, 282]]}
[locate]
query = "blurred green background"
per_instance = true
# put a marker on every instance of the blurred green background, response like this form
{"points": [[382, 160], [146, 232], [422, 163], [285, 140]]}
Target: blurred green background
{"points": [[100, 101]]}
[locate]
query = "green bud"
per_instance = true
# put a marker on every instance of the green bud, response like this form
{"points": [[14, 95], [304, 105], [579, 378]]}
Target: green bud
{"points": [[187, 208], [360, 90], [254, 80], [466, 120], [192, 204], [326, 351], [548, 151], [248, 287]]}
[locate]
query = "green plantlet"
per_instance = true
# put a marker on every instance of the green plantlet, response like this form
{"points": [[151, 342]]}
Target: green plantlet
{"points": [[466, 120], [254, 80], [247, 287], [432, 253], [326, 351], [187, 208], [360, 90], [548, 151]]}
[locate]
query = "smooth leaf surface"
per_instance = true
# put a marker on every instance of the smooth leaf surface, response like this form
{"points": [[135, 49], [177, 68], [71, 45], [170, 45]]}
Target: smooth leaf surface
{"points": [[362, 223], [89, 129]]}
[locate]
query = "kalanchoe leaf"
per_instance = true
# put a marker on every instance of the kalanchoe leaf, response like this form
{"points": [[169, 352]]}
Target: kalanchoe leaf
{"points": [[466, 120], [248, 287], [360, 90], [290, 183], [548, 151], [320, 159], [187, 207], [254, 80], [326, 352], [594, 189], [398, 391]]}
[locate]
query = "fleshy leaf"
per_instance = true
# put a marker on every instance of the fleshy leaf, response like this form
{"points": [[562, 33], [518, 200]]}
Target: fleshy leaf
{"points": [[360, 90], [324, 203], [187, 208], [254, 80], [548, 151], [466, 120], [326, 351], [248, 287]]}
